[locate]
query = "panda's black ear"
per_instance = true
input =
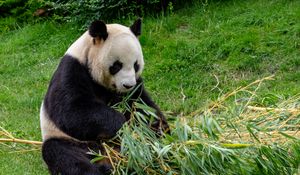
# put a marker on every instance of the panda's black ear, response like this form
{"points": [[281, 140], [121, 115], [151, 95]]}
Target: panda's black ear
{"points": [[136, 27], [98, 30]]}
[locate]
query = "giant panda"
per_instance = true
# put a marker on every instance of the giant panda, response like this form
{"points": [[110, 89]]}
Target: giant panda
{"points": [[99, 68]]}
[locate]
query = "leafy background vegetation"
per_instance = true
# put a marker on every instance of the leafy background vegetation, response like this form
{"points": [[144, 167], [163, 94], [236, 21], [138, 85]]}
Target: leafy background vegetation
{"points": [[193, 55]]}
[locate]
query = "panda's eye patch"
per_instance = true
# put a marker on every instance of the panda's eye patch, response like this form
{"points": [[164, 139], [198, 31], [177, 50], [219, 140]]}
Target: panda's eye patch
{"points": [[115, 68], [136, 66]]}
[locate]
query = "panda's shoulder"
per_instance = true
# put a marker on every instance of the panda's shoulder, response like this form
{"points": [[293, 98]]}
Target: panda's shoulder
{"points": [[69, 62], [70, 82], [70, 76], [70, 68]]}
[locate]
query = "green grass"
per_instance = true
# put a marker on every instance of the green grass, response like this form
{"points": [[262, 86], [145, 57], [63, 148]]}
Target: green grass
{"points": [[28, 58], [201, 51]]}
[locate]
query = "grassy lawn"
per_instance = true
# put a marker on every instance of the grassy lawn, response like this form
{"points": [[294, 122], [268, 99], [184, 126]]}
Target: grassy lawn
{"points": [[198, 53]]}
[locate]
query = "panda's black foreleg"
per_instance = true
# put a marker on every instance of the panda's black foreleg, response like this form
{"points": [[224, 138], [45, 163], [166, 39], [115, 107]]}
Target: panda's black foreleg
{"points": [[68, 157], [160, 124]]}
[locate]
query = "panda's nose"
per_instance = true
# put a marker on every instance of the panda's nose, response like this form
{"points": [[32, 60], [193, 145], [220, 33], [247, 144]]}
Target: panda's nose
{"points": [[128, 86]]}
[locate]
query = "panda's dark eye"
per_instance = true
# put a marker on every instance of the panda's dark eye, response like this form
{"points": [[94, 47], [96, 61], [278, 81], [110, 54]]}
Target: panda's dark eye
{"points": [[136, 66], [115, 68]]}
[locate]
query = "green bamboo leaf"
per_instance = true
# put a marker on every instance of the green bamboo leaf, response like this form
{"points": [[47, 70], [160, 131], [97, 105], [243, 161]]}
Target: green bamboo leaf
{"points": [[288, 136], [252, 133], [235, 145], [164, 150], [96, 159]]}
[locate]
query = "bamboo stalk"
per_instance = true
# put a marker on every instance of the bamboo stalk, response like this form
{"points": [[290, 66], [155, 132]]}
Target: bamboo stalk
{"points": [[109, 156], [255, 108], [223, 98], [21, 141]]}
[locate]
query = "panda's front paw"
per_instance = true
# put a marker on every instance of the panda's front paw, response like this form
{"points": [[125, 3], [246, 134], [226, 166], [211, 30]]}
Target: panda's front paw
{"points": [[105, 168], [113, 123], [119, 121], [160, 127]]}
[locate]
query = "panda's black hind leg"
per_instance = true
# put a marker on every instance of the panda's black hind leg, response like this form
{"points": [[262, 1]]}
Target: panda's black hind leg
{"points": [[67, 157]]}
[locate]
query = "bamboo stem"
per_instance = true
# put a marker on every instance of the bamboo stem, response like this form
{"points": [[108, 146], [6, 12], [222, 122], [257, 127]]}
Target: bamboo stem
{"points": [[218, 102], [109, 156], [254, 108], [21, 141]]}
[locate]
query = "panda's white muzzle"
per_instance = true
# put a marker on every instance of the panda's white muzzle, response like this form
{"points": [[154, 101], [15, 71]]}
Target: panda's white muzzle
{"points": [[125, 80]]}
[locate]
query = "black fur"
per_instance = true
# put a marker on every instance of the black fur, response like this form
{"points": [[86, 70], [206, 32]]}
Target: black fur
{"points": [[98, 29], [115, 68], [67, 157], [136, 66], [136, 27], [79, 107]]}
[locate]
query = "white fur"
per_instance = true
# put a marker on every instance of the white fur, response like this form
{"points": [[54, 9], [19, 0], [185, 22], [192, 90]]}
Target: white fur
{"points": [[80, 48], [121, 45]]}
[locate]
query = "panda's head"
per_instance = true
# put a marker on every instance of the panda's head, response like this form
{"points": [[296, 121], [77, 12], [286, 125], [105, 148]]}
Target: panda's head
{"points": [[112, 53]]}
